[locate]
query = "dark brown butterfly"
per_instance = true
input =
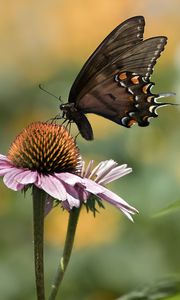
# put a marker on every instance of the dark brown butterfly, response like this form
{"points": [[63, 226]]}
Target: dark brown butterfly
{"points": [[115, 81]]}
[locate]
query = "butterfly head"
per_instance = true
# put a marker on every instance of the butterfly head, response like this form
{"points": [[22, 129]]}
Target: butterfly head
{"points": [[71, 114], [67, 109]]}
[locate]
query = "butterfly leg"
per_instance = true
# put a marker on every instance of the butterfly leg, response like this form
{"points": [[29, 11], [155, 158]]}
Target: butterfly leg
{"points": [[76, 136], [54, 118], [68, 125]]}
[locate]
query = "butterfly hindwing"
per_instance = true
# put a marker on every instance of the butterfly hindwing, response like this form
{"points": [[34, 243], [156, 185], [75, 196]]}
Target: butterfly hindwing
{"points": [[126, 100]]}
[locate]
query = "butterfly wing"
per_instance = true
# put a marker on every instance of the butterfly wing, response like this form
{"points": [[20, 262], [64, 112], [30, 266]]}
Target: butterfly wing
{"points": [[121, 90], [123, 37], [115, 80]]}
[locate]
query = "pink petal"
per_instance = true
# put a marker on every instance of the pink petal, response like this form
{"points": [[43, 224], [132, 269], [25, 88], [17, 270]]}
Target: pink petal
{"points": [[5, 170], [88, 170], [27, 177], [92, 187], [65, 205], [5, 163], [10, 179], [69, 178], [52, 186], [73, 196], [73, 202], [96, 169], [3, 158], [118, 202], [83, 168], [127, 214], [83, 195], [105, 167], [115, 174], [48, 205]]}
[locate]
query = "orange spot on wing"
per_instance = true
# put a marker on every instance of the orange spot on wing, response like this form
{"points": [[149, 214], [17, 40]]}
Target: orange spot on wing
{"points": [[122, 76], [145, 88], [131, 98], [132, 122], [135, 79]]}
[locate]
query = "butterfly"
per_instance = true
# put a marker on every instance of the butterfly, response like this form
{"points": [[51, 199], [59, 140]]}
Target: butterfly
{"points": [[115, 81]]}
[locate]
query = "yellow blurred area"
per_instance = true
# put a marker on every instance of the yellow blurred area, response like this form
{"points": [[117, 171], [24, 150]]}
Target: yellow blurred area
{"points": [[37, 37], [91, 230]]}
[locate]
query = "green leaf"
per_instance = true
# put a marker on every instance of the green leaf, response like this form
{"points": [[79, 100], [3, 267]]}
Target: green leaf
{"points": [[91, 204], [172, 208], [163, 290]]}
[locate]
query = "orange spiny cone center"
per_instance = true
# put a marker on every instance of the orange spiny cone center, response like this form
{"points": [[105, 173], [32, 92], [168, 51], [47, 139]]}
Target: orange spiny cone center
{"points": [[46, 148]]}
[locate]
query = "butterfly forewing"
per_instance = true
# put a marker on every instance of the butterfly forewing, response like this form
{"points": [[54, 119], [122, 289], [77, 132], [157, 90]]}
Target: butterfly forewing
{"points": [[127, 34], [140, 59]]}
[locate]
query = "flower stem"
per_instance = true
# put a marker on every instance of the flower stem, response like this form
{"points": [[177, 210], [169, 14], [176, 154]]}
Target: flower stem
{"points": [[71, 230], [38, 222]]}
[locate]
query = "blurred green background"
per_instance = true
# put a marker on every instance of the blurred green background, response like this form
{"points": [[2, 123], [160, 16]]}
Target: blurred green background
{"points": [[47, 42]]}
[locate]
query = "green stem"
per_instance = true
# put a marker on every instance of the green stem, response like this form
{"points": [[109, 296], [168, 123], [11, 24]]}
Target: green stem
{"points": [[38, 220], [71, 230]]}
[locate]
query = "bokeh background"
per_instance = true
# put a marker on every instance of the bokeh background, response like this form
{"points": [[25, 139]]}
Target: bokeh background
{"points": [[47, 42]]}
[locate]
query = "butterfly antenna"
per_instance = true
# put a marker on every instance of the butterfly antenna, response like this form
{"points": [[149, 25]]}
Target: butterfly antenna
{"points": [[49, 93]]}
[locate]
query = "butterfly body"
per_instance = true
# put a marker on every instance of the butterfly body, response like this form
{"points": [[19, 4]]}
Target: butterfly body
{"points": [[72, 114], [115, 81]]}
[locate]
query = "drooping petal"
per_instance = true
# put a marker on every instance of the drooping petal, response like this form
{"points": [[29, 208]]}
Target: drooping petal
{"points": [[48, 204], [65, 205], [127, 214], [74, 195], [10, 179], [69, 178], [5, 170], [117, 202], [73, 200], [27, 177], [5, 165], [53, 186], [92, 187], [83, 194]]}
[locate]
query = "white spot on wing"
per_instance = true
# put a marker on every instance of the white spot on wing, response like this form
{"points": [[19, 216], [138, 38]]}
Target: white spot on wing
{"points": [[124, 121]]}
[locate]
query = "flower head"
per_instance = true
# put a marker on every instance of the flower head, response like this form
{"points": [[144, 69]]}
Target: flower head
{"points": [[45, 148], [39, 155], [45, 155]]}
